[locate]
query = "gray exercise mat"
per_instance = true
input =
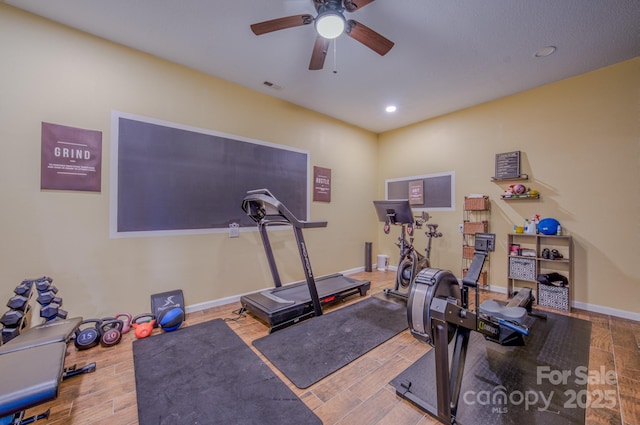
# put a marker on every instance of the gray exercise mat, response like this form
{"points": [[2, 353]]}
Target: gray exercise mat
{"points": [[206, 374], [309, 351]]}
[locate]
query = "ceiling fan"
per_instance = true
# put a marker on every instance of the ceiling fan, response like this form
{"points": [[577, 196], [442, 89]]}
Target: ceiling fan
{"points": [[330, 23]]}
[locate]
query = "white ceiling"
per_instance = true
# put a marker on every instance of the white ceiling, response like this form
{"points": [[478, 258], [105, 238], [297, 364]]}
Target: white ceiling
{"points": [[448, 55]]}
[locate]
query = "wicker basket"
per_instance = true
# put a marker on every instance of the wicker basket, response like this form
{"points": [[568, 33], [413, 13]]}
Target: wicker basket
{"points": [[473, 227], [476, 204], [467, 252]]}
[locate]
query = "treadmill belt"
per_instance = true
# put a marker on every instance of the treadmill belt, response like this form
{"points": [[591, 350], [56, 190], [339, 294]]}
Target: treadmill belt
{"points": [[284, 306], [326, 286]]}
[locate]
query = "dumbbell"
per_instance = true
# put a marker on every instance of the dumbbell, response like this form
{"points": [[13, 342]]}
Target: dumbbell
{"points": [[43, 283], [23, 289], [9, 333], [18, 302], [52, 311], [46, 289], [12, 318], [48, 297]]}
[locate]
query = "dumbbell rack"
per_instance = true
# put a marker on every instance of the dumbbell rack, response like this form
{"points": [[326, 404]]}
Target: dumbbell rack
{"points": [[50, 303], [18, 316]]}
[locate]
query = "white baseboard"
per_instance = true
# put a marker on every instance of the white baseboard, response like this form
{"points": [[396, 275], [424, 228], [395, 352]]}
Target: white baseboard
{"points": [[498, 289], [607, 310], [213, 303]]}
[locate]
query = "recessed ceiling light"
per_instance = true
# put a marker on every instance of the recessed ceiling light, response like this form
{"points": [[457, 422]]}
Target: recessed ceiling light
{"points": [[390, 108], [544, 52]]}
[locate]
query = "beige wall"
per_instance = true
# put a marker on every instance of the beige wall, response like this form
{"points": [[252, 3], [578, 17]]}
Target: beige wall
{"points": [[580, 144], [54, 74], [580, 140]]}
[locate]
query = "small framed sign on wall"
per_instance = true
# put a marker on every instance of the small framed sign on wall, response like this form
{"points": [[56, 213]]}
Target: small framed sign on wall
{"points": [[416, 192], [71, 158], [507, 165], [321, 184]]}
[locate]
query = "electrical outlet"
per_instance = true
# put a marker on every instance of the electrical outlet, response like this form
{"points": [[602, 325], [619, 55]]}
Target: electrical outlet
{"points": [[461, 228], [234, 230]]}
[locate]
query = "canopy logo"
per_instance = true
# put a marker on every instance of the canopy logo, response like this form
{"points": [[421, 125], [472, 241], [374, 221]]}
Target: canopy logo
{"points": [[500, 399]]}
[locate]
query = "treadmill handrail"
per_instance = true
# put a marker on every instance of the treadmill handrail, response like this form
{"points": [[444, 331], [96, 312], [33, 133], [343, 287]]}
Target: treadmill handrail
{"points": [[254, 199]]}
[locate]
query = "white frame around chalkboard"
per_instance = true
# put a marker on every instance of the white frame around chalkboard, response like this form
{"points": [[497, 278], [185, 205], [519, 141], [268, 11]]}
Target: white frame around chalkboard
{"points": [[426, 177], [114, 174]]}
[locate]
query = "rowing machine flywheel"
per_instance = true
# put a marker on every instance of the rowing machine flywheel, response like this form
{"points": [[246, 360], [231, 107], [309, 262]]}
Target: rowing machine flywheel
{"points": [[429, 284]]}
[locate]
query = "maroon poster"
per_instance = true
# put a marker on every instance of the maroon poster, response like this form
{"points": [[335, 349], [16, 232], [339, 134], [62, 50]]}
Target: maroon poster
{"points": [[321, 184], [71, 158], [416, 192]]}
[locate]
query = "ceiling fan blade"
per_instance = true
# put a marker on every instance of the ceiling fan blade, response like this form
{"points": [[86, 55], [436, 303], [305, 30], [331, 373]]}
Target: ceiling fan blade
{"points": [[365, 35], [353, 5], [281, 23], [319, 53]]}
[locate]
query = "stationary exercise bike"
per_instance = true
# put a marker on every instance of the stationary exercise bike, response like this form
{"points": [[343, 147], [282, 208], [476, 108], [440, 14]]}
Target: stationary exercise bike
{"points": [[410, 261], [438, 312]]}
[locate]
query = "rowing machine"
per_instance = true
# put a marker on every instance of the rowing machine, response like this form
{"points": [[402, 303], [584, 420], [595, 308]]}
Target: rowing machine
{"points": [[438, 312]]}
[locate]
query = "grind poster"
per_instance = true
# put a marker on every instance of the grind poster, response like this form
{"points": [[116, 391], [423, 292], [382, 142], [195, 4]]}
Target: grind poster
{"points": [[71, 158]]}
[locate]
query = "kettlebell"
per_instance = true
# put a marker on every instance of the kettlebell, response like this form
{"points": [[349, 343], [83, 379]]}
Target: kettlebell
{"points": [[111, 332], [88, 337], [126, 323], [143, 328]]}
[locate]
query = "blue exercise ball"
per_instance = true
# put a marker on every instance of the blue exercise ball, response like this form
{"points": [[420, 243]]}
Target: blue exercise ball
{"points": [[171, 319], [548, 226]]}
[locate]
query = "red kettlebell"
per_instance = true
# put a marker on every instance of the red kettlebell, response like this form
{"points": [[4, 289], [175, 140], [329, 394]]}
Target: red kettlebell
{"points": [[143, 325]]}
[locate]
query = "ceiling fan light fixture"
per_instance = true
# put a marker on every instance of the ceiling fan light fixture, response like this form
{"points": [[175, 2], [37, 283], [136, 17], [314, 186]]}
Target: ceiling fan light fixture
{"points": [[330, 24]]}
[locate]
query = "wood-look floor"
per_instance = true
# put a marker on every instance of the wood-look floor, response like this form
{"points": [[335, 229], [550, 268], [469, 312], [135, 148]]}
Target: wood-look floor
{"points": [[358, 393]]}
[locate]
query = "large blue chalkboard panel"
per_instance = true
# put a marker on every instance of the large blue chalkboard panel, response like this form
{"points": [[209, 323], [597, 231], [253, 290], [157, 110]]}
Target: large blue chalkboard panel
{"points": [[174, 178]]}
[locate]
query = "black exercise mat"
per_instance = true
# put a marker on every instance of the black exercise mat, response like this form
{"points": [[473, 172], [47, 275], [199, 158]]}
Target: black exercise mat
{"points": [[206, 374], [555, 346], [313, 349]]}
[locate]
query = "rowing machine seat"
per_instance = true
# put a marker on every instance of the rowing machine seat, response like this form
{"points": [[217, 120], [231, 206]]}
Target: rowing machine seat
{"points": [[494, 309], [515, 310]]}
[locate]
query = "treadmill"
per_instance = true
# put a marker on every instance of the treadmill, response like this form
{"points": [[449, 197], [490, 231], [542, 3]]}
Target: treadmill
{"points": [[283, 306]]}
